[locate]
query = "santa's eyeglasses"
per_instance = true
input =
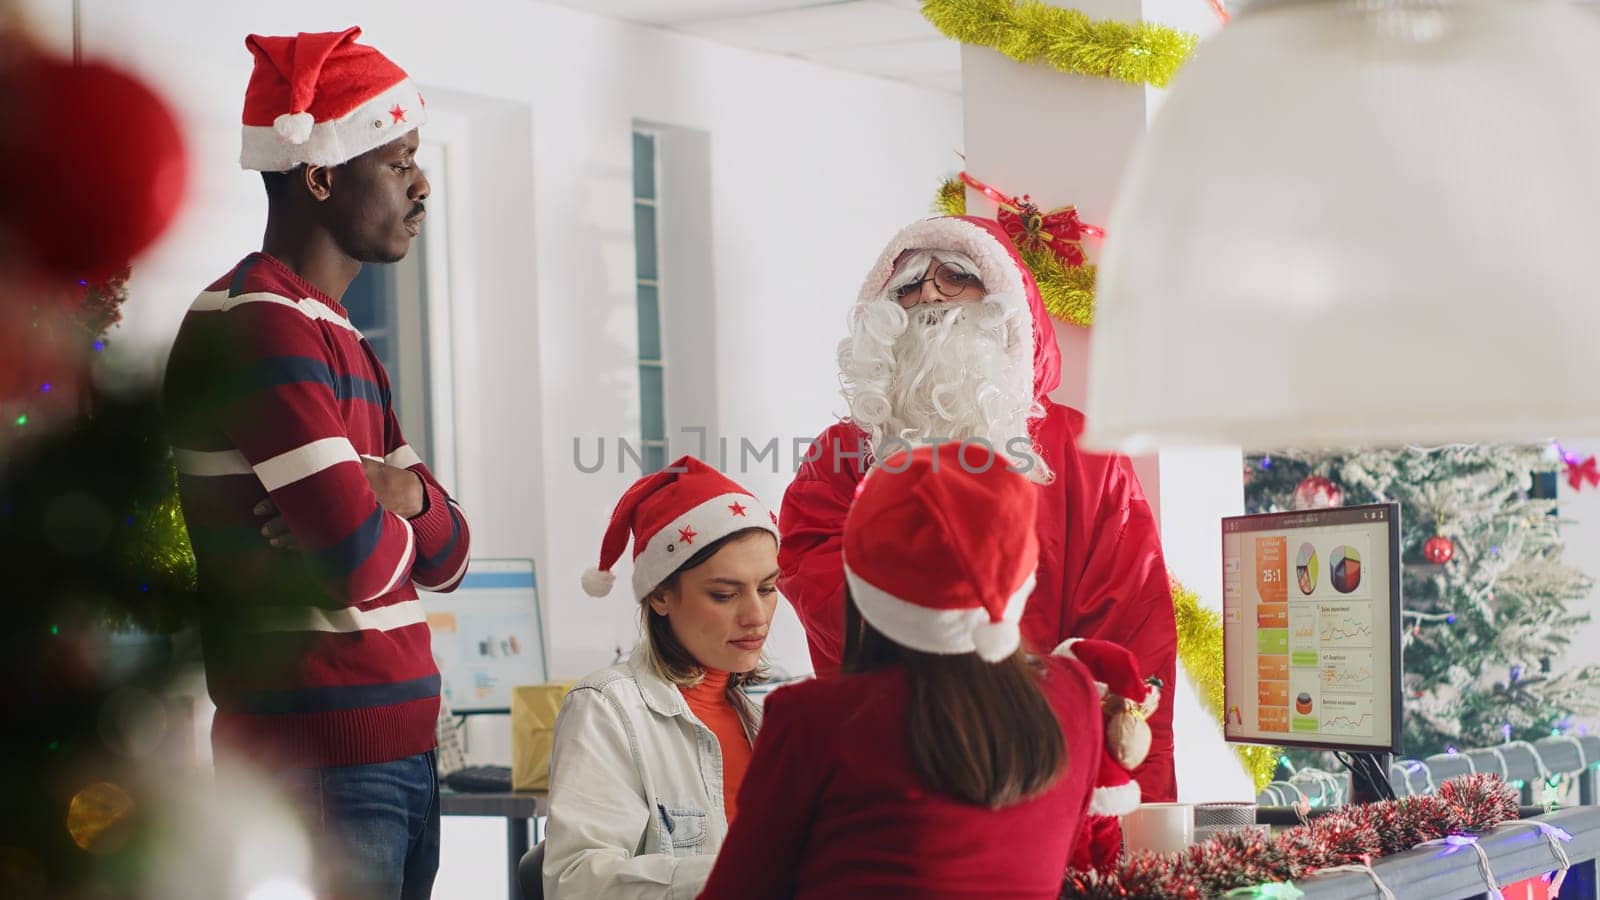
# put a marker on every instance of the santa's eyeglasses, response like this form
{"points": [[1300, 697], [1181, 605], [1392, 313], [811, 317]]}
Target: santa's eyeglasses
{"points": [[949, 279]]}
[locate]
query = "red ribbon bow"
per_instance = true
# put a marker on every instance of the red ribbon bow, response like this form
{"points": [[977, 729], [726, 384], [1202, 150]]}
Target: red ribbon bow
{"points": [[1058, 230], [1579, 472]]}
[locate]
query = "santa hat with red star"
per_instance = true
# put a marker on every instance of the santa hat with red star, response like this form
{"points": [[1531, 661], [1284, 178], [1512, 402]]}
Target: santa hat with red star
{"points": [[940, 550], [673, 514], [323, 99]]}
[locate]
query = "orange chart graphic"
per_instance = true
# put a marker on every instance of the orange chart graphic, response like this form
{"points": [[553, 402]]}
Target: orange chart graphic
{"points": [[1272, 615], [1272, 719], [1272, 693], [1272, 668], [1272, 555]]}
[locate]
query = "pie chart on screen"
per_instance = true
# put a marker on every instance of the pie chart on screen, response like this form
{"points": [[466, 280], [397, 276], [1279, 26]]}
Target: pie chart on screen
{"points": [[1305, 568], [1345, 569]]}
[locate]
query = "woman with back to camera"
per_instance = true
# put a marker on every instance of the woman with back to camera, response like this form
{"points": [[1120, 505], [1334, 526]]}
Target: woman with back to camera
{"points": [[944, 761]]}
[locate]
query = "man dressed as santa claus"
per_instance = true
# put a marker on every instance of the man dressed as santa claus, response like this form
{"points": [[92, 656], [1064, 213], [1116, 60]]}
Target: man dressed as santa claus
{"points": [[949, 341]]}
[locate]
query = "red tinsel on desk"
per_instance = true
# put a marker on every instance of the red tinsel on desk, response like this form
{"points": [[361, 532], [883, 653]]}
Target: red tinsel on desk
{"points": [[1352, 834]]}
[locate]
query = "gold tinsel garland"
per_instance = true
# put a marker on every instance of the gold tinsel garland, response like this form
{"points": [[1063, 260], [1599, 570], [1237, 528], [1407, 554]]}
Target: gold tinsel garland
{"points": [[161, 550], [155, 551], [1067, 291], [1065, 39], [952, 199], [1200, 652]]}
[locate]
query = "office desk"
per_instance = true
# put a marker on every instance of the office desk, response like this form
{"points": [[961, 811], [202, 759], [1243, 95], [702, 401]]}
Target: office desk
{"points": [[521, 811]]}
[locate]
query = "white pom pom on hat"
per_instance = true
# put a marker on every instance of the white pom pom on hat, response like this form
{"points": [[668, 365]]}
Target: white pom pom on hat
{"points": [[598, 582], [996, 640], [294, 128]]}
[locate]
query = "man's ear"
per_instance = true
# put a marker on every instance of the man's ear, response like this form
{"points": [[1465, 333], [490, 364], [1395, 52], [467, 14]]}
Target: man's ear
{"points": [[319, 181]]}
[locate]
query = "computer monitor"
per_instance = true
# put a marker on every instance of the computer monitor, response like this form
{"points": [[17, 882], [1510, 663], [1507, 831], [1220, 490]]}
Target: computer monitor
{"points": [[487, 635], [1311, 628]]}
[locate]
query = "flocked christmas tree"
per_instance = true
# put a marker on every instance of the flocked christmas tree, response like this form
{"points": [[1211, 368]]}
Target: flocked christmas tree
{"points": [[1488, 600]]}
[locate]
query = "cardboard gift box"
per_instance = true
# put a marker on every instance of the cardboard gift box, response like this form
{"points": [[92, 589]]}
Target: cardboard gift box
{"points": [[533, 728]]}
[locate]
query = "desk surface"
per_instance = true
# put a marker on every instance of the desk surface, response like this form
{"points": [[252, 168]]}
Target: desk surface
{"points": [[519, 805]]}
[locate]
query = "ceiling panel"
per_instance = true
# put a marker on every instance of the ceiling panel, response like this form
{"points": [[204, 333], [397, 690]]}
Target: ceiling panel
{"points": [[901, 60], [949, 82], [885, 38], [816, 27], [678, 12]]}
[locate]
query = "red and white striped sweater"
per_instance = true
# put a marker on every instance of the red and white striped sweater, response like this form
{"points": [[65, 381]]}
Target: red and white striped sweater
{"points": [[315, 657]]}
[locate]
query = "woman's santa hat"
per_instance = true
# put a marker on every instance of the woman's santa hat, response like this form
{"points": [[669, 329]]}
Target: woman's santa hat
{"points": [[940, 550], [323, 99], [673, 514]]}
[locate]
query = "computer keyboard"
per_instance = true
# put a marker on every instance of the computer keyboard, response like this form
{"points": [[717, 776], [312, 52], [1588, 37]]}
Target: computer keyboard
{"points": [[480, 780]]}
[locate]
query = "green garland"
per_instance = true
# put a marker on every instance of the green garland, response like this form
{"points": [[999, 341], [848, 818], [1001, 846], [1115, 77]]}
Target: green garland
{"points": [[1065, 39], [1067, 291]]}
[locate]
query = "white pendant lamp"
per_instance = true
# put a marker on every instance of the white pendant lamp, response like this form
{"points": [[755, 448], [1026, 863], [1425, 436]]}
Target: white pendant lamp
{"points": [[1361, 223]]}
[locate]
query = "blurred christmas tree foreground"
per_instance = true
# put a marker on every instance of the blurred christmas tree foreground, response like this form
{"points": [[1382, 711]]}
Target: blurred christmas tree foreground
{"points": [[97, 566], [1489, 602]]}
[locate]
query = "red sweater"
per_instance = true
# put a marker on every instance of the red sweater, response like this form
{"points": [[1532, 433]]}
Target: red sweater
{"points": [[317, 657], [831, 806]]}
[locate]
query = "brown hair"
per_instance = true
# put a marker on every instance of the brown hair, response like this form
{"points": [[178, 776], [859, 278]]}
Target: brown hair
{"points": [[673, 661], [981, 732]]}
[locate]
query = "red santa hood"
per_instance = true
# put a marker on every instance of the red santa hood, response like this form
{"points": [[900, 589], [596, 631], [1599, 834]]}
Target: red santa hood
{"points": [[999, 265]]}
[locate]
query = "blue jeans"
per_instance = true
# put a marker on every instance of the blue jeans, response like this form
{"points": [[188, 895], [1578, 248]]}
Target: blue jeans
{"points": [[375, 827]]}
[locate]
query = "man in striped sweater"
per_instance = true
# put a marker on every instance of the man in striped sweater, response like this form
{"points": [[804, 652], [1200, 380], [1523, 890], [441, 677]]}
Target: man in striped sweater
{"points": [[313, 522]]}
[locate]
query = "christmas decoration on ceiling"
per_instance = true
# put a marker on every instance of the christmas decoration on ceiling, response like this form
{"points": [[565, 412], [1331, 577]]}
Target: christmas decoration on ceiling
{"points": [[1065, 39], [1044, 240], [1058, 231]]}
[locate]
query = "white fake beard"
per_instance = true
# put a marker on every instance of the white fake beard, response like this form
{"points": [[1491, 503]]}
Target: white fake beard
{"points": [[952, 379]]}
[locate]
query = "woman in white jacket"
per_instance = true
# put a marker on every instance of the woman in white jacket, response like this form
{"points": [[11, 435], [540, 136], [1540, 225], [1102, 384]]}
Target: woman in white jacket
{"points": [[649, 753]]}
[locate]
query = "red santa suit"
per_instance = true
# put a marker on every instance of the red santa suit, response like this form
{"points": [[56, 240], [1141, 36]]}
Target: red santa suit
{"points": [[1101, 571]]}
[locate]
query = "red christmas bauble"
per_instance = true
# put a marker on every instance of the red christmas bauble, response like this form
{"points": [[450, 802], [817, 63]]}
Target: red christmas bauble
{"points": [[1317, 492], [95, 165], [1438, 550]]}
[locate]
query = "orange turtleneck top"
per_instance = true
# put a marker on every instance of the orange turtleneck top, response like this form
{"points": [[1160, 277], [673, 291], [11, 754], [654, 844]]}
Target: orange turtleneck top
{"points": [[709, 702]]}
